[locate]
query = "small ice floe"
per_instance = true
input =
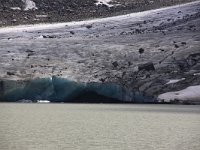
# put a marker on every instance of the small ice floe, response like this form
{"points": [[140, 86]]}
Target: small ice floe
{"points": [[43, 101], [29, 5], [104, 2], [191, 93], [15, 8], [175, 81]]}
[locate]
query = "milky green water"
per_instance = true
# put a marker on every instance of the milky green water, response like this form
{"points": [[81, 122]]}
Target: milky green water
{"points": [[99, 127]]}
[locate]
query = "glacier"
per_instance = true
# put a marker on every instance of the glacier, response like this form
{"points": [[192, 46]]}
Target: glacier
{"points": [[57, 89]]}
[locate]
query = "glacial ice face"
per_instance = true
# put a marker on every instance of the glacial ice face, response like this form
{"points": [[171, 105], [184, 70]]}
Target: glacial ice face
{"points": [[33, 89], [62, 90]]}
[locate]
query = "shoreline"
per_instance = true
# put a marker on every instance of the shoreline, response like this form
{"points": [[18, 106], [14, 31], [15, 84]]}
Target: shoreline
{"points": [[114, 103]]}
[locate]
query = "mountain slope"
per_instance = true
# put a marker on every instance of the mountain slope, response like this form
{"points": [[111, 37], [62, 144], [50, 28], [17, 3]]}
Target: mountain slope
{"points": [[14, 12]]}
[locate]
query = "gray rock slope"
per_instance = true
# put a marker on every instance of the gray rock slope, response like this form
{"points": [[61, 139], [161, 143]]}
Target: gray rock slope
{"points": [[15, 12], [130, 58]]}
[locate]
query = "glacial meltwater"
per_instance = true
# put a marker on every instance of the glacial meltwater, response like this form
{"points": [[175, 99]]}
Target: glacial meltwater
{"points": [[99, 127]]}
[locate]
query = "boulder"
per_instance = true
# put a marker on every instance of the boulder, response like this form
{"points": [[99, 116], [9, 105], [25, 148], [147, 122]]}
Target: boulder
{"points": [[147, 66]]}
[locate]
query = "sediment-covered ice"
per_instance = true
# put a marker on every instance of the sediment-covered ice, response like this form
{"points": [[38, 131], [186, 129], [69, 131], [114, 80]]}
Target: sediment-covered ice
{"points": [[102, 57]]}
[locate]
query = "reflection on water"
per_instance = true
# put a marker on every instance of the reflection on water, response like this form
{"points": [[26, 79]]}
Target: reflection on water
{"points": [[99, 127]]}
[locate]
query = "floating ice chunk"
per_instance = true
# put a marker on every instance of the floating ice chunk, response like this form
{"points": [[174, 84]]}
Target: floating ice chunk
{"points": [[191, 93], [175, 81], [29, 5], [104, 2], [43, 101]]}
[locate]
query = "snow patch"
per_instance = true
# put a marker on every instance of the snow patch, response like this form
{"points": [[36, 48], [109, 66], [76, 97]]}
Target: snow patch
{"points": [[29, 5], [191, 93], [41, 16], [40, 37], [175, 81], [104, 2], [15, 8]]}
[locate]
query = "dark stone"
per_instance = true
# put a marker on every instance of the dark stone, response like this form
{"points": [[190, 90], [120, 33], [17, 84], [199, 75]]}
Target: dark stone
{"points": [[115, 64], [102, 80], [191, 26], [10, 73], [147, 66], [49, 36], [141, 50], [89, 26], [29, 51], [72, 32], [183, 43], [176, 46], [138, 31], [161, 49], [30, 54]]}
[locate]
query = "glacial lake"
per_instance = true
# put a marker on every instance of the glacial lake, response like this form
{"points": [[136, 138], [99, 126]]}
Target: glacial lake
{"points": [[99, 127]]}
